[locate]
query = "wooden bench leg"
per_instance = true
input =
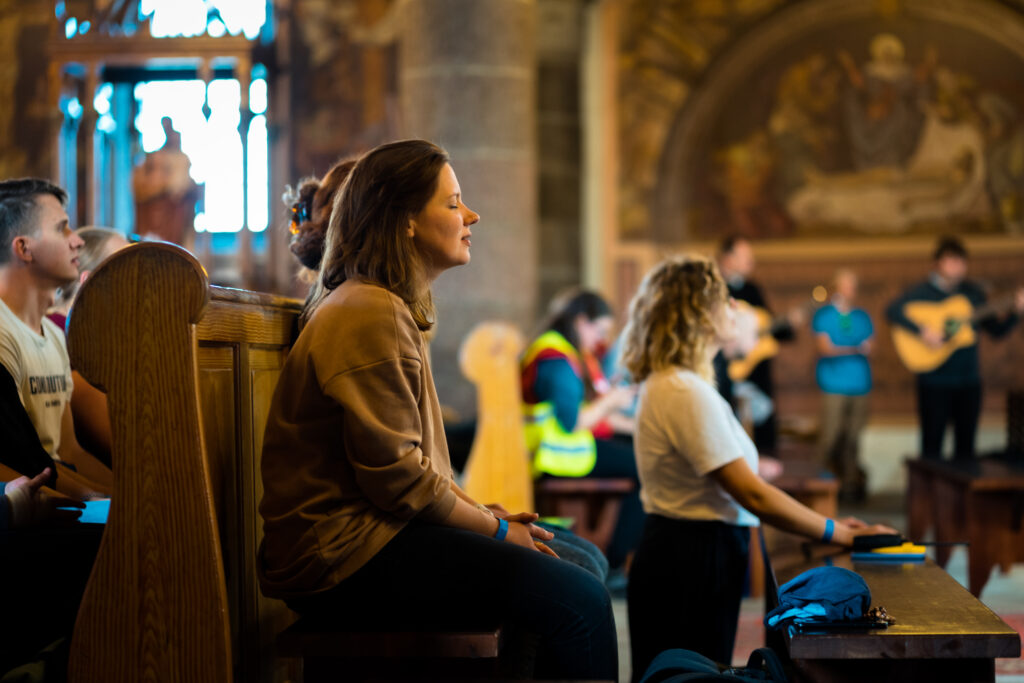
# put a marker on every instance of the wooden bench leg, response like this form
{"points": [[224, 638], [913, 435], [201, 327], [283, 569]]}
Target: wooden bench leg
{"points": [[920, 505], [949, 505]]}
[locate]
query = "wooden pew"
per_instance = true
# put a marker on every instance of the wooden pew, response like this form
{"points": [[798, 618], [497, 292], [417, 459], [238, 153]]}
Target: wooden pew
{"points": [[979, 501], [189, 370], [592, 504]]}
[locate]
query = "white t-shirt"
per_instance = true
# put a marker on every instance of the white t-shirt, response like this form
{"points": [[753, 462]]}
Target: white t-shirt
{"points": [[41, 370], [685, 430]]}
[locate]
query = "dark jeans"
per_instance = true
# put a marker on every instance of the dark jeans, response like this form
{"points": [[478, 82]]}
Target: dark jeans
{"points": [[431, 576], [577, 550], [936, 406], [685, 588], [615, 458], [43, 572]]}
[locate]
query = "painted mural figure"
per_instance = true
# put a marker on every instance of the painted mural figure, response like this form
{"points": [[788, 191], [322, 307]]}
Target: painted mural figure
{"points": [[800, 124], [918, 152], [887, 144], [1004, 135], [745, 175], [881, 108]]}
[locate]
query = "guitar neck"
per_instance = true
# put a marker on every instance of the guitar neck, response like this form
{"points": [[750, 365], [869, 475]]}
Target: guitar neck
{"points": [[998, 307]]}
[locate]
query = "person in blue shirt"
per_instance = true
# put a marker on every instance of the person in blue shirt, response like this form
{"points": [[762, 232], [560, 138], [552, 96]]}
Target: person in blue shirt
{"points": [[843, 337]]}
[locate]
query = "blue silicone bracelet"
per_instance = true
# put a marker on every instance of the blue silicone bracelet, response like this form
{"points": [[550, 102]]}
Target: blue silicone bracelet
{"points": [[830, 528], [502, 530]]}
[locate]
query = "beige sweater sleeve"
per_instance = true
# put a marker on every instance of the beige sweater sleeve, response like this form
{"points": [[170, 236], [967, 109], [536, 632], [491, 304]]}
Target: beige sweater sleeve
{"points": [[379, 386]]}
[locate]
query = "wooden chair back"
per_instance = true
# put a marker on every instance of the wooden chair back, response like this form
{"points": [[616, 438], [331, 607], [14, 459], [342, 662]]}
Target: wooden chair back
{"points": [[498, 469]]}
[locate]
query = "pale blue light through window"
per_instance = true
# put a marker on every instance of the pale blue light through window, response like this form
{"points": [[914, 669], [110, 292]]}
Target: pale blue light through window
{"points": [[101, 102], [214, 147], [224, 159], [258, 168], [196, 17], [258, 96]]}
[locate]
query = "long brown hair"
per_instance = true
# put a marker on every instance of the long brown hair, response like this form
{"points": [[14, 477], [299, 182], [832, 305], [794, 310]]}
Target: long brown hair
{"points": [[671, 318], [367, 236]]}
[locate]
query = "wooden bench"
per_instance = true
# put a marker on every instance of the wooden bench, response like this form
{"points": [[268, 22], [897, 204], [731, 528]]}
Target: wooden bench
{"points": [[979, 501], [593, 504], [189, 370]]}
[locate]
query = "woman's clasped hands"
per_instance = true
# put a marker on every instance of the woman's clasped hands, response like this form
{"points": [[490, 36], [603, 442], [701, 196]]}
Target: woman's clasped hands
{"points": [[522, 530]]}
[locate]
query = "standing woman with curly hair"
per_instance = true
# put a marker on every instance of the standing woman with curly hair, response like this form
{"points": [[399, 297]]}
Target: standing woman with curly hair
{"points": [[698, 472], [364, 526]]}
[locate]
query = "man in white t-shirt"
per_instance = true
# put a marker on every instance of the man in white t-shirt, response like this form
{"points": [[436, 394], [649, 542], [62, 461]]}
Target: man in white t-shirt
{"points": [[38, 254]]}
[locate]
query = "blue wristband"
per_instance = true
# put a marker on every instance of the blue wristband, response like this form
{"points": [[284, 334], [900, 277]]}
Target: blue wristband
{"points": [[830, 528], [502, 531]]}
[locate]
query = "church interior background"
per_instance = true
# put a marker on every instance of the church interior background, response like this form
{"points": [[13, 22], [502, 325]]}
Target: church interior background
{"points": [[593, 136]]}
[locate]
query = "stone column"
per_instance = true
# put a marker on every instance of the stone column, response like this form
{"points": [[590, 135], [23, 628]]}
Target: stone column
{"points": [[467, 82], [559, 42]]}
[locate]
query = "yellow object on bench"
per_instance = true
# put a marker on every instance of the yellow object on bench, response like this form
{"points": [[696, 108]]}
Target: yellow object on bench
{"points": [[906, 552]]}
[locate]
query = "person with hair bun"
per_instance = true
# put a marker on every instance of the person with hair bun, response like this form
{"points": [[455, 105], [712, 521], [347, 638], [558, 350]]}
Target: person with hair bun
{"points": [[310, 205], [698, 472], [364, 525]]}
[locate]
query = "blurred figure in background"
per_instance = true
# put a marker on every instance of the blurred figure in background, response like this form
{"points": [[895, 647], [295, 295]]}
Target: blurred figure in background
{"points": [[165, 194], [574, 424], [844, 336]]}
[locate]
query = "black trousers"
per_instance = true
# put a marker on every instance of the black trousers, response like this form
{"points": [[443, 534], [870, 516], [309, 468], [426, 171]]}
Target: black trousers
{"points": [[431, 576], [685, 588], [936, 406], [616, 458]]}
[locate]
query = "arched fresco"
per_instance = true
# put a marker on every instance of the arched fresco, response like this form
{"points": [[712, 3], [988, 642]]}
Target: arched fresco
{"points": [[835, 118]]}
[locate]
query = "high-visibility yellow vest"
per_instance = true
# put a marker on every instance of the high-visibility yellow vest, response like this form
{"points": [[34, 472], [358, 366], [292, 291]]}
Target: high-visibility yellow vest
{"points": [[555, 451]]}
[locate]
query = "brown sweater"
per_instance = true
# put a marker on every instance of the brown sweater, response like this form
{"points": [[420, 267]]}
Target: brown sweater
{"points": [[354, 446]]}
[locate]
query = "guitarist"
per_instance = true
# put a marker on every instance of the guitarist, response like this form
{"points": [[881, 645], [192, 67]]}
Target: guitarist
{"points": [[736, 263], [951, 391]]}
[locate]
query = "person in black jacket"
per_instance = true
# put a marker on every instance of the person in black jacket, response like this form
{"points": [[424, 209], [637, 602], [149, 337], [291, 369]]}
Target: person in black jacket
{"points": [[952, 391], [736, 264]]}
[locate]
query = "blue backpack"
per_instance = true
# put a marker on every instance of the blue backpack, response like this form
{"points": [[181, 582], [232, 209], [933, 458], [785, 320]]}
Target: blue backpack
{"points": [[686, 666]]}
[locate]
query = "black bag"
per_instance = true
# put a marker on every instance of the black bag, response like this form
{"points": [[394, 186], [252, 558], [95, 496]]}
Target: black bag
{"points": [[685, 666]]}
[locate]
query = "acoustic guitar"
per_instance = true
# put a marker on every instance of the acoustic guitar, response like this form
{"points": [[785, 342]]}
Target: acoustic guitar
{"points": [[767, 326], [498, 469], [954, 316]]}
